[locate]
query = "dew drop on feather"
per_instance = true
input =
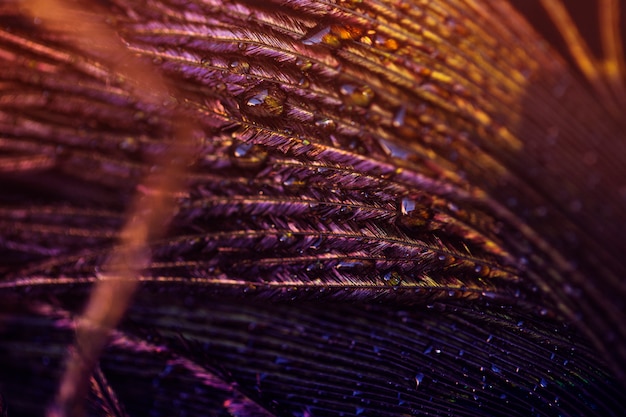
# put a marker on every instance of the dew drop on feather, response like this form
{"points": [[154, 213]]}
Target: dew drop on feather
{"points": [[326, 124], [321, 35], [399, 117], [386, 43], [356, 95], [248, 155], [304, 64], [419, 377], [264, 101], [392, 278], [241, 67], [407, 205], [394, 149]]}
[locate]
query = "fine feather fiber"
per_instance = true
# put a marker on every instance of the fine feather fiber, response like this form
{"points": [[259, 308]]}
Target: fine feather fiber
{"points": [[388, 209]]}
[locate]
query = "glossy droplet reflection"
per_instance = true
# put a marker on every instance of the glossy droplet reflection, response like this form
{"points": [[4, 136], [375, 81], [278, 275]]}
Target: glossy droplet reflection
{"points": [[392, 278], [394, 150], [346, 32], [399, 117], [331, 35], [407, 205], [353, 95], [242, 150], [321, 35], [326, 124], [264, 101], [241, 67], [304, 64], [418, 379], [248, 155], [386, 44]]}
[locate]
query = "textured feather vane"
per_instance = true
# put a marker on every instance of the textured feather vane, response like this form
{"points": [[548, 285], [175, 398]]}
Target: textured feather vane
{"points": [[390, 209]]}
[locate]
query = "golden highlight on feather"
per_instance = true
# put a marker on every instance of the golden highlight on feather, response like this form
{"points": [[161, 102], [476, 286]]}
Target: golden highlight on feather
{"points": [[612, 45], [607, 74]]}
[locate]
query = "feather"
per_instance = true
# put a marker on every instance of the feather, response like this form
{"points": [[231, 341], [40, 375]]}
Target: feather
{"points": [[382, 211]]}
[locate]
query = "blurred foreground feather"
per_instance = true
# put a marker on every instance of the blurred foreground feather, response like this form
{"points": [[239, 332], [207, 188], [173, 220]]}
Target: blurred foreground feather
{"points": [[393, 208]]}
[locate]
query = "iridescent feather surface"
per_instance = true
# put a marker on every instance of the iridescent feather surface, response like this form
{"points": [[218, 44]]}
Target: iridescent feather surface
{"points": [[311, 208]]}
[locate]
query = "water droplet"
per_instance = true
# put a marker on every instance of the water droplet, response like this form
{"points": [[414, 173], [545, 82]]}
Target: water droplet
{"points": [[321, 35], [129, 144], [543, 383], [418, 379], [399, 116], [304, 82], [286, 237], [264, 101], [392, 278], [351, 264], [326, 124], [407, 205], [240, 67], [386, 44], [483, 270], [248, 155], [346, 32], [394, 150], [316, 266], [293, 182], [242, 150], [354, 95], [495, 369], [304, 64]]}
